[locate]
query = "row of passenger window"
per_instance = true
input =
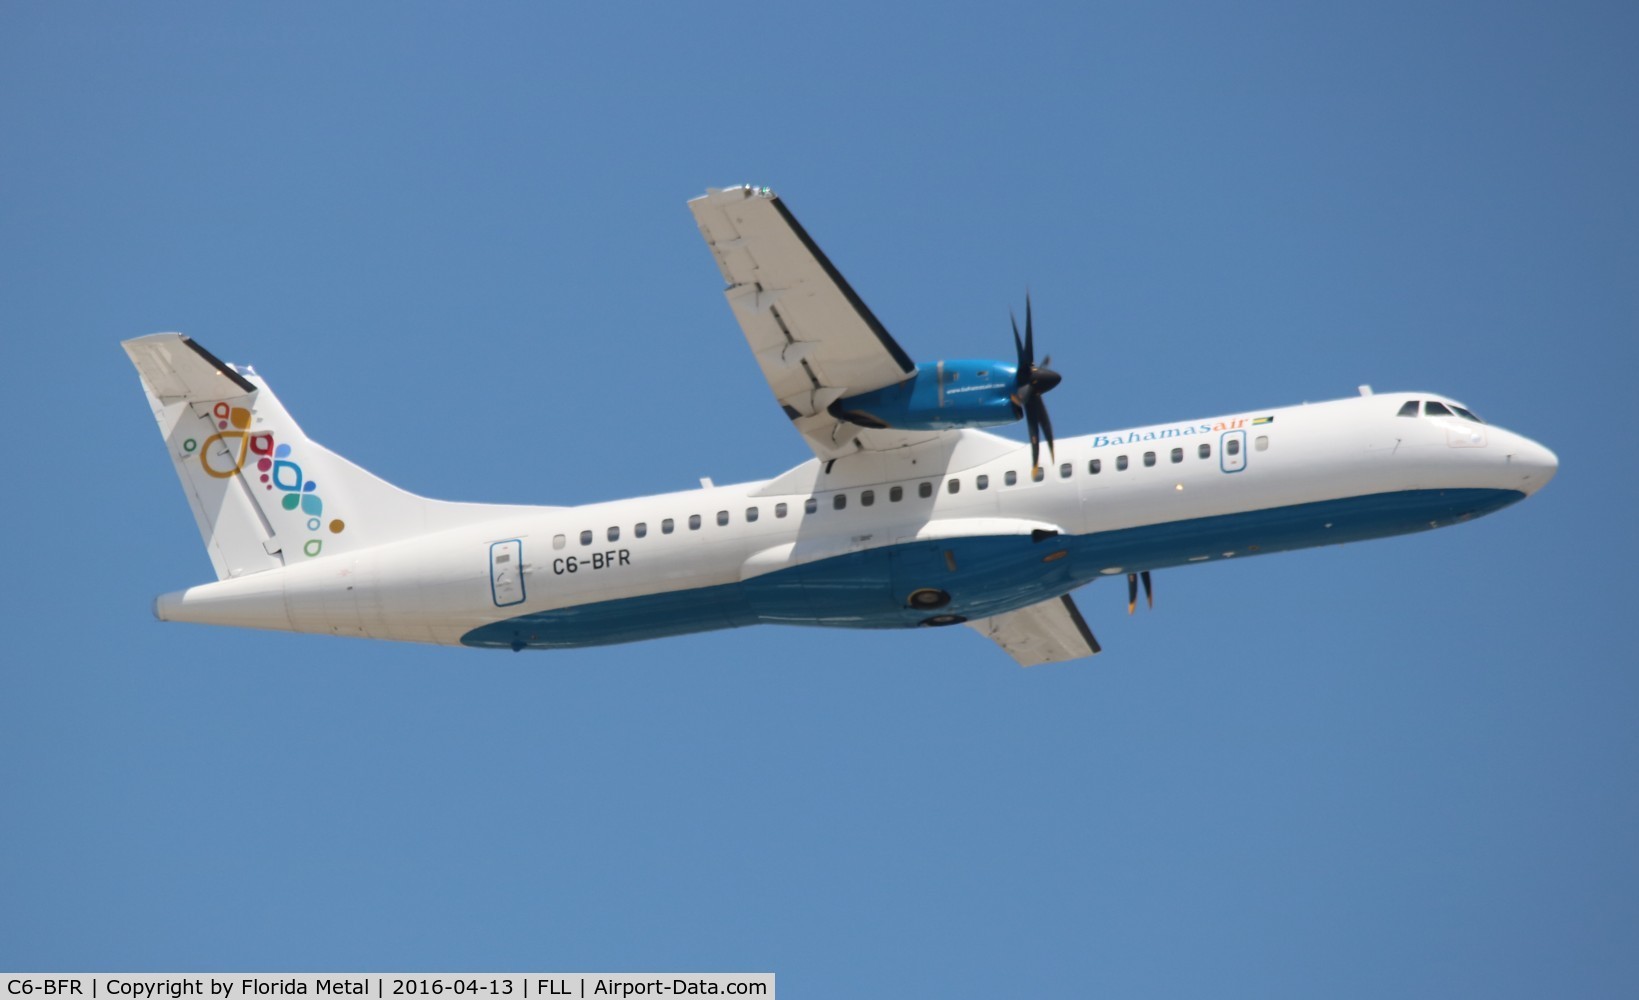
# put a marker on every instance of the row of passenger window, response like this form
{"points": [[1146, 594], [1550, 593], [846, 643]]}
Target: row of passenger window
{"points": [[867, 498], [839, 501], [1122, 462], [667, 526]]}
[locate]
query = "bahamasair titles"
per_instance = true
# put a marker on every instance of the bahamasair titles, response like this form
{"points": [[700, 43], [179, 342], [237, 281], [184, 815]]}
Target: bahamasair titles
{"points": [[909, 514]]}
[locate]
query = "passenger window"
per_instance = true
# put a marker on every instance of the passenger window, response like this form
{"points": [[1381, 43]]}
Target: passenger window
{"points": [[981, 483], [586, 538], [896, 494], [1012, 478], [810, 505], [694, 522], [839, 501], [641, 529], [954, 486], [1233, 446], [1262, 443], [779, 510], [1121, 463], [667, 525], [1205, 451], [1149, 459], [1064, 471], [1036, 474], [1433, 409], [751, 514], [1409, 408], [1095, 466], [867, 498], [614, 534], [558, 541], [722, 518]]}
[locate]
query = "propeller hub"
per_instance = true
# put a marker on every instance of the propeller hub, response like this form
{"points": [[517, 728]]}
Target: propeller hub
{"points": [[1045, 379]]}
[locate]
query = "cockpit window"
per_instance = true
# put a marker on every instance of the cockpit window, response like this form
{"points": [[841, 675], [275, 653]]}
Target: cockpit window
{"points": [[1434, 409]]}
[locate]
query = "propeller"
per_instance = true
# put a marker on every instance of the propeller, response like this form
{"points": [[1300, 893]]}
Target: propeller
{"points": [[1132, 590], [1033, 382]]}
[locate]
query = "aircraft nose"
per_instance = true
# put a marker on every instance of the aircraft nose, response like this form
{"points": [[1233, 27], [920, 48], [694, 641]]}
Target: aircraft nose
{"points": [[1533, 463]]}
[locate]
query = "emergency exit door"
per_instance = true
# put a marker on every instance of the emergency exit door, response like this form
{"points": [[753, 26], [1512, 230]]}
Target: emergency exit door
{"points": [[1232, 451]]}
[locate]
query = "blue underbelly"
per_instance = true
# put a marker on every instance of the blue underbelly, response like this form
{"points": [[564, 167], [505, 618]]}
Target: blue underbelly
{"points": [[981, 576]]}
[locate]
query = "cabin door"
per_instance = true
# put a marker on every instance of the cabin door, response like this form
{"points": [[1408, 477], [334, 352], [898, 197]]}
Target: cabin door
{"points": [[506, 572]]}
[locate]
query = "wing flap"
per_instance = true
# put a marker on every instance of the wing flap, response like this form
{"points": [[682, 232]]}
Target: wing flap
{"points": [[1050, 632]]}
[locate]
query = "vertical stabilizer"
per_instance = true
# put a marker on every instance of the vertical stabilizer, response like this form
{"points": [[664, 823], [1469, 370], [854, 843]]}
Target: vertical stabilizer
{"points": [[263, 495], [206, 413]]}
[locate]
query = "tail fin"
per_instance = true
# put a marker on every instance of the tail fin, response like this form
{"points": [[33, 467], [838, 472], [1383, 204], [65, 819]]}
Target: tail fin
{"points": [[264, 495]]}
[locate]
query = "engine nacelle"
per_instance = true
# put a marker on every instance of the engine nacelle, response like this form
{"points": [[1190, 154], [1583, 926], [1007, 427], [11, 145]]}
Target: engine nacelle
{"points": [[942, 395]]}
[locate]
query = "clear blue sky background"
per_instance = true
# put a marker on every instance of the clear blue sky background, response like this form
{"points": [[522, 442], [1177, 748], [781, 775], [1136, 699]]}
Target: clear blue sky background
{"points": [[454, 238]]}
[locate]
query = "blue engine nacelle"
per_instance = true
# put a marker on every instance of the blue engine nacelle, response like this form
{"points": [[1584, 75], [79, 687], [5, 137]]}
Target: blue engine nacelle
{"points": [[942, 395]]}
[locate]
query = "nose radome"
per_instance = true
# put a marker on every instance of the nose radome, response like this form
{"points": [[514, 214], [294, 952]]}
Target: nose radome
{"points": [[1534, 464]]}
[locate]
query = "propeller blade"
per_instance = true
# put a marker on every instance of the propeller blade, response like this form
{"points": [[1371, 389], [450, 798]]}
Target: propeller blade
{"points": [[1030, 405], [1132, 592], [1031, 382], [1029, 333], [1149, 595], [1046, 424], [1022, 377]]}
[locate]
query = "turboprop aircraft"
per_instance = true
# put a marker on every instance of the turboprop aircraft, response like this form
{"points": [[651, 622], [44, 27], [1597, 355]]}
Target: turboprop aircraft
{"points": [[907, 515]]}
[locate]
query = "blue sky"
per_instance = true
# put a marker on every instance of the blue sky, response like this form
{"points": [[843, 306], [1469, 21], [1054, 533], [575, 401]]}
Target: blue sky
{"points": [[453, 237]]}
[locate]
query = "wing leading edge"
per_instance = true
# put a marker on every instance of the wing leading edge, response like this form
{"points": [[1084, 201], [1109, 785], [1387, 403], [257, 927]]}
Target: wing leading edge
{"points": [[812, 335]]}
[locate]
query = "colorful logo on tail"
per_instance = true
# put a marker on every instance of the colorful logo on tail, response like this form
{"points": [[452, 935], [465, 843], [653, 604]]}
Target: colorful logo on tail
{"points": [[275, 464]]}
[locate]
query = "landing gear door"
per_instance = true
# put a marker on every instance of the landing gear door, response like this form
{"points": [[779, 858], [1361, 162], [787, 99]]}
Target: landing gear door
{"points": [[506, 572], [1232, 451]]}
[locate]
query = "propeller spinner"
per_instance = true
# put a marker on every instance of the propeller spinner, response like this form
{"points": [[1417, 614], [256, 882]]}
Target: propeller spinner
{"points": [[1033, 382]]}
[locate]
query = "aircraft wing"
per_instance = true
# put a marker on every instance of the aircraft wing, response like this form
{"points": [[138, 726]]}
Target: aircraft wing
{"points": [[815, 340], [1049, 632]]}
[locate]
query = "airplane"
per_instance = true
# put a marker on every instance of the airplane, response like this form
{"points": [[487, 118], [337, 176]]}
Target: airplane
{"points": [[909, 514]]}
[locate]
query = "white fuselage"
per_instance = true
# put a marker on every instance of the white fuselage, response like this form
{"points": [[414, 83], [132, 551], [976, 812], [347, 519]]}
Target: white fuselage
{"points": [[971, 523]]}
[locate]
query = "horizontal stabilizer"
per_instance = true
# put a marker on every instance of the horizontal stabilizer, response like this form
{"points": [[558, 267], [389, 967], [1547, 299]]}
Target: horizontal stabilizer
{"points": [[174, 368]]}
